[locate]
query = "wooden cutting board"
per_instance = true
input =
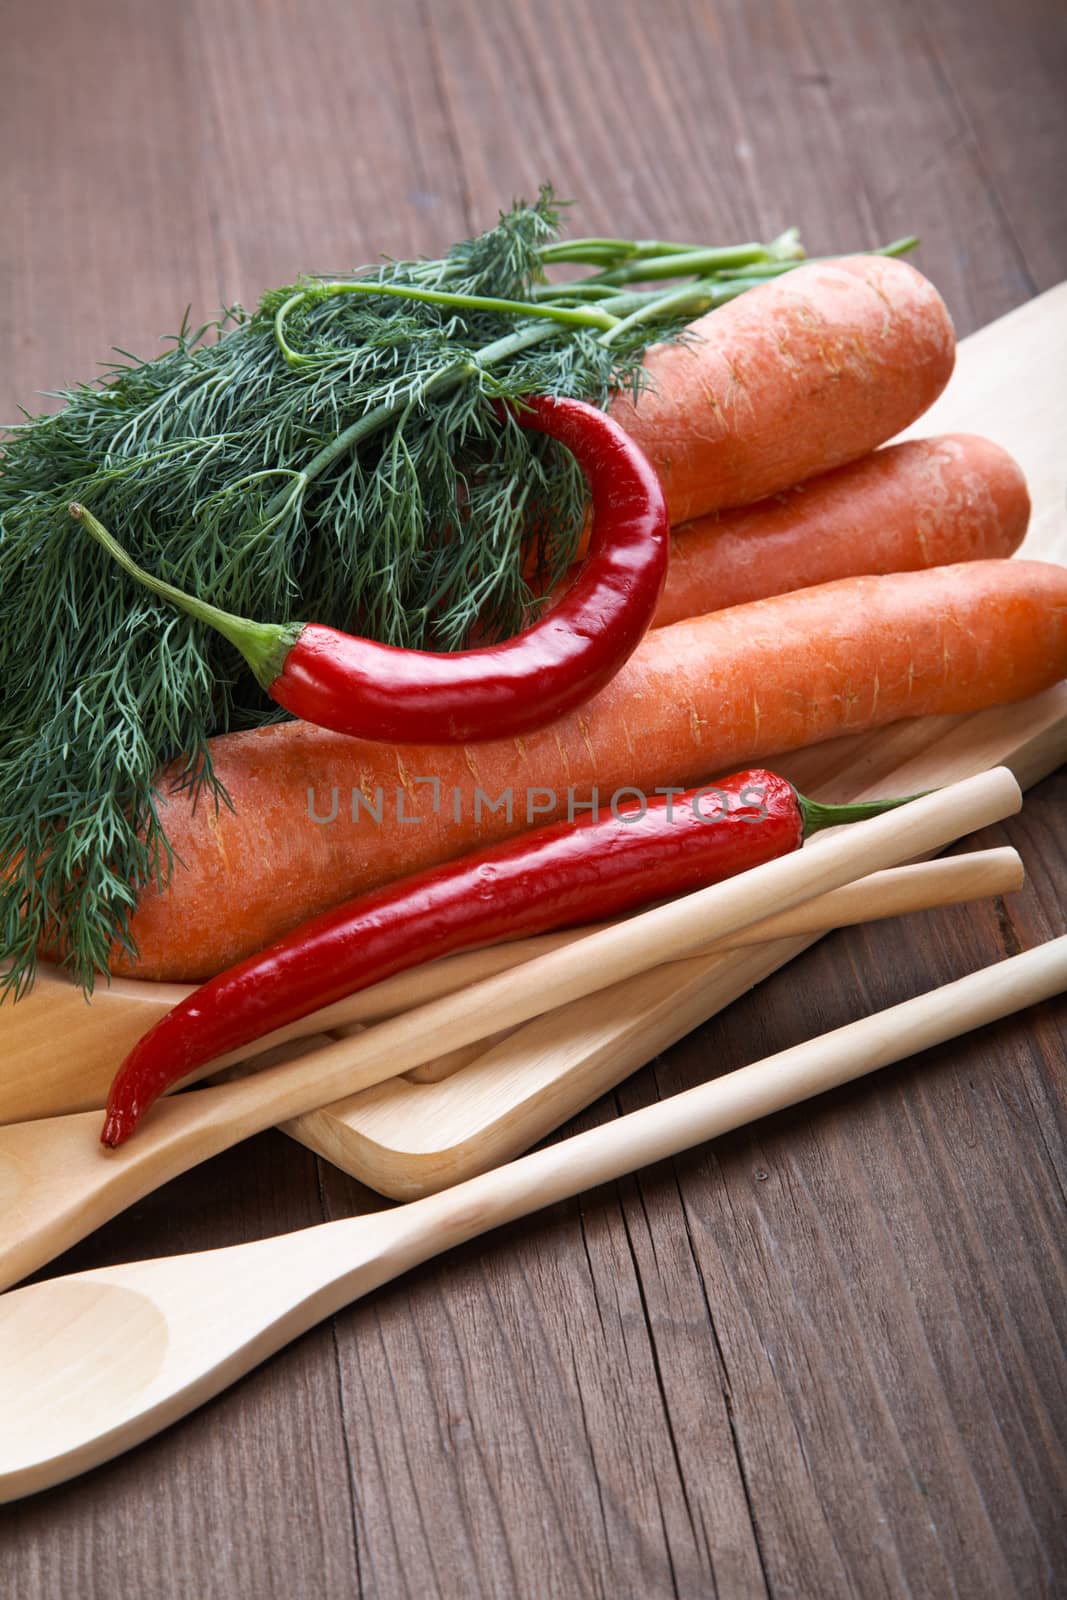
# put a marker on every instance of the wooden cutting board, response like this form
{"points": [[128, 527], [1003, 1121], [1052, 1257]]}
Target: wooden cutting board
{"points": [[408, 1136]]}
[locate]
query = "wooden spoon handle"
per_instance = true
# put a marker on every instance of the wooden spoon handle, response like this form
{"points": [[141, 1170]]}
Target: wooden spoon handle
{"points": [[670, 1126], [919, 886], [613, 955]]}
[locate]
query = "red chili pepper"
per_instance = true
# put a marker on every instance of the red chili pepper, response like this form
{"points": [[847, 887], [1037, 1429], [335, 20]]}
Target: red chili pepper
{"points": [[376, 691], [554, 877]]}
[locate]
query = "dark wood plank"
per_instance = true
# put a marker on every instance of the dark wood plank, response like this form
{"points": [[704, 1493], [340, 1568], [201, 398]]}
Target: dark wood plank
{"points": [[1004, 69], [532, 1376], [876, 147], [174, 156], [874, 1307], [821, 1358], [741, 120]]}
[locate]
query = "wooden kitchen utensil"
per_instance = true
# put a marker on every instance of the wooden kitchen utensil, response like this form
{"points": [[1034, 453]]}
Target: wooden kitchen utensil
{"points": [[921, 886], [53, 1023], [93, 1364], [57, 1184]]}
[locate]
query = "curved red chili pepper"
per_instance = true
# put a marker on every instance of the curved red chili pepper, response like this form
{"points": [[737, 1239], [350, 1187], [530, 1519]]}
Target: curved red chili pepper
{"points": [[554, 877], [376, 691]]}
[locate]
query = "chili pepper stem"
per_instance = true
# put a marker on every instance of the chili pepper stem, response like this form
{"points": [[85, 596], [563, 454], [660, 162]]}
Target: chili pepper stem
{"points": [[816, 816], [264, 645]]}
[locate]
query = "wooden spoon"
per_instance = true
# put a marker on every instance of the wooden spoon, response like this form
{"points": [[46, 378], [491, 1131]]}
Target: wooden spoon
{"points": [[57, 1183], [407, 1138], [93, 1364], [920, 886]]}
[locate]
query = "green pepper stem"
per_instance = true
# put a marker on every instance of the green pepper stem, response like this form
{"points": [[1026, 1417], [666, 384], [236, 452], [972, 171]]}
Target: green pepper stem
{"points": [[816, 816], [264, 645]]}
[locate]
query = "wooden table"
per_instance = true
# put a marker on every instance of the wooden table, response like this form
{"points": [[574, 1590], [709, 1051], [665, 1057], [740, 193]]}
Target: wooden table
{"points": [[821, 1358]]}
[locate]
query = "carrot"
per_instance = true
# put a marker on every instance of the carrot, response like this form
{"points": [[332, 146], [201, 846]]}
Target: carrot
{"points": [[797, 376], [926, 503], [695, 699]]}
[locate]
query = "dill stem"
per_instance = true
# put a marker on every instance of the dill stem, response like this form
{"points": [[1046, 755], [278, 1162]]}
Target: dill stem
{"points": [[581, 289], [567, 316], [701, 297], [775, 268], [450, 378], [582, 249], [605, 251], [676, 264]]}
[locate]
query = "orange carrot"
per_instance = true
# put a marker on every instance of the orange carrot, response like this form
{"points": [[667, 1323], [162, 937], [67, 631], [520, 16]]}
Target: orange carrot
{"points": [[797, 376], [926, 503], [694, 700]]}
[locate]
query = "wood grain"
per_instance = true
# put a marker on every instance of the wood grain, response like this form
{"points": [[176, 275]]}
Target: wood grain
{"points": [[822, 1359]]}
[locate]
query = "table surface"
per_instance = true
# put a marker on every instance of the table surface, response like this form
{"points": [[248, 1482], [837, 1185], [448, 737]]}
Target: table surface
{"points": [[821, 1357]]}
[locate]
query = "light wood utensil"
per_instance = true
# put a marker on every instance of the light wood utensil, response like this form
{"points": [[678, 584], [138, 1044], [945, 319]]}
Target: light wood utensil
{"points": [[53, 1025], [57, 1183], [509, 1094], [93, 1364], [920, 886]]}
